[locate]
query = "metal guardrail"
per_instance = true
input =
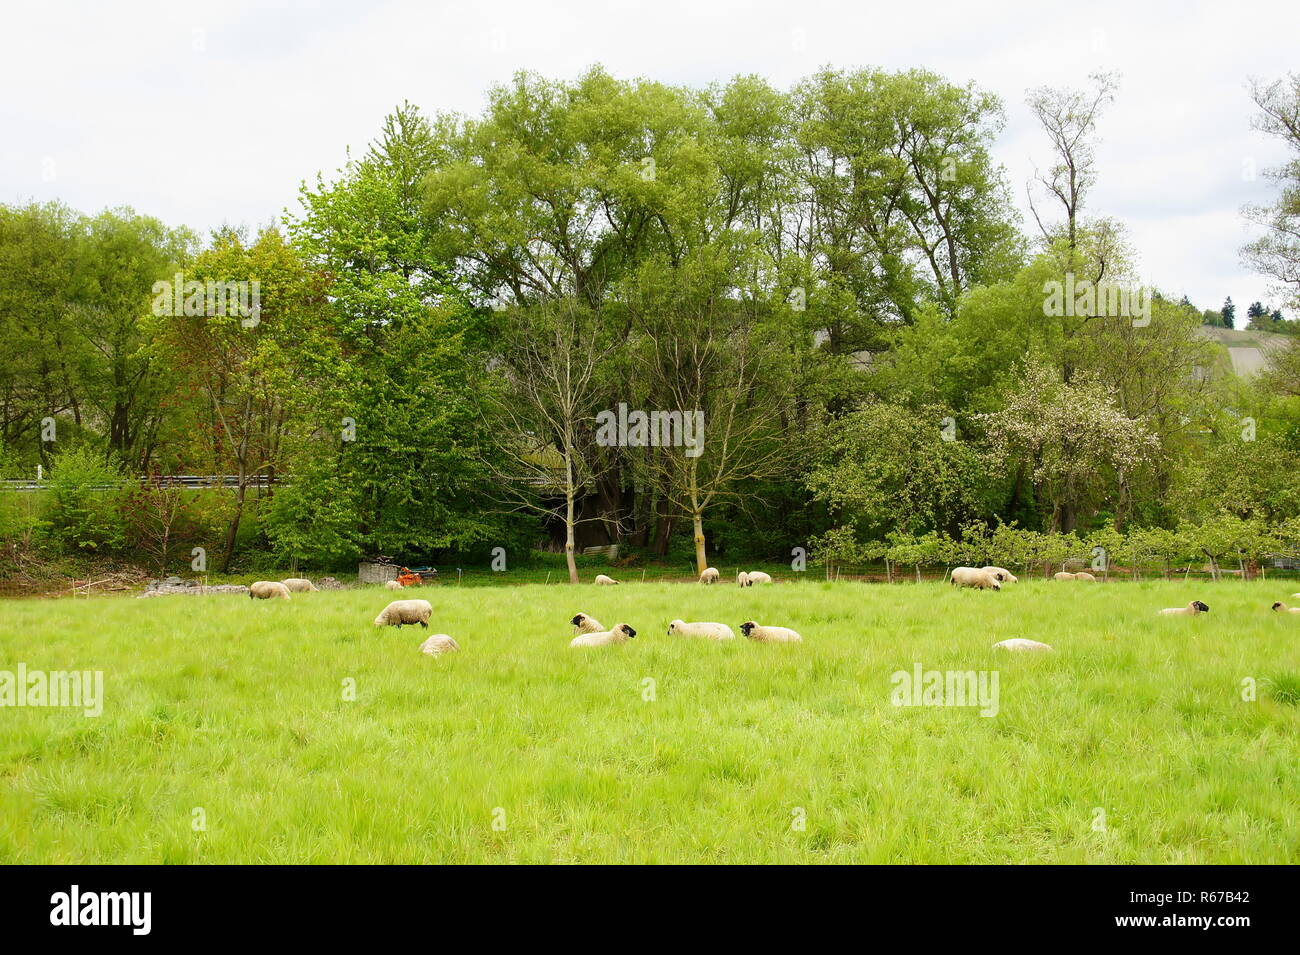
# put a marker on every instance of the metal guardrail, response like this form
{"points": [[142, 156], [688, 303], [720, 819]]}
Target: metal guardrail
{"points": [[164, 480]]}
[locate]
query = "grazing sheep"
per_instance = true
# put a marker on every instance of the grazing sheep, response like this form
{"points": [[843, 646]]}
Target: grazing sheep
{"points": [[758, 577], [401, 612], [1084, 575], [1062, 575], [713, 631], [742, 578], [392, 585], [760, 634], [603, 581], [1002, 574], [266, 589], [972, 577], [1191, 610], [439, 643], [619, 633], [1279, 606], [585, 624], [710, 575], [299, 585], [1020, 643]]}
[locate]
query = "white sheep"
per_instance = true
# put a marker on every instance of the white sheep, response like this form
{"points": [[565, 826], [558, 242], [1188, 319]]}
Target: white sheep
{"points": [[1020, 643], [1278, 606], [299, 585], [973, 577], [760, 634], [619, 633], [742, 578], [1191, 610], [603, 581], [439, 643], [401, 612], [1062, 575], [1002, 574], [712, 631], [392, 585], [585, 624], [1084, 575], [710, 575], [758, 577], [266, 589]]}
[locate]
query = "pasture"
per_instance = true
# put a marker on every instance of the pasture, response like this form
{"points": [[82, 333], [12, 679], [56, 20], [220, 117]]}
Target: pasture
{"points": [[228, 734]]}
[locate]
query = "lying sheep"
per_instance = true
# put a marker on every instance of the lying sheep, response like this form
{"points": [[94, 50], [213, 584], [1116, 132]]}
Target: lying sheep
{"points": [[619, 633], [973, 577], [711, 631], [401, 612], [392, 585], [710, 575], [266, 589], [758, 577], [760, 634], [1062, 575], [1002, 574], [585, 624], [439, 643], [603, 581], [1020, 644], [299, 585], [1191, 610], [1278, 606], [742, 578]]}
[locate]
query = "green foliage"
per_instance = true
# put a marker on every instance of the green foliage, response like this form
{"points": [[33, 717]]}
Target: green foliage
{"points": [[84, 512]]}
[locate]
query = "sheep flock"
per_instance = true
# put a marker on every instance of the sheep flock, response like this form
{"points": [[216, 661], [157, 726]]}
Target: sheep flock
{"points": [[590, 632]]}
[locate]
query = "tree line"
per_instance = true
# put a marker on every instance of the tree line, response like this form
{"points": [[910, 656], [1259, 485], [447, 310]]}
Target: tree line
{"points": [[831, 277]]}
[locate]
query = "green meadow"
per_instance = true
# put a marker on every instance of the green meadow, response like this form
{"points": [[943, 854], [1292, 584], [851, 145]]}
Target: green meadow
{"points": [[238, 731]]}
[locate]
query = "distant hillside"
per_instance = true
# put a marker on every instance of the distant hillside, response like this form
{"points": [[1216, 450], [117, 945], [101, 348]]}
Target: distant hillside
{"points": [[1247, 348]]}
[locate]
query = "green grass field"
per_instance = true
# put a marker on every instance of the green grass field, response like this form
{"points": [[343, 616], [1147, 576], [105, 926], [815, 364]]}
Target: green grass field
{"points": [[1132, 743]]}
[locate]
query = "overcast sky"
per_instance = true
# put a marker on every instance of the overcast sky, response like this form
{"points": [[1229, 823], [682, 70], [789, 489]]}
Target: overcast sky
{"points": [[208, 113]]}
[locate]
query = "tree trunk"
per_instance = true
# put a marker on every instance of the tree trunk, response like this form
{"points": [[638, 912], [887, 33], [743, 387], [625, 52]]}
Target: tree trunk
{"points": [[233, 531], [569, 521], [697, 524]]}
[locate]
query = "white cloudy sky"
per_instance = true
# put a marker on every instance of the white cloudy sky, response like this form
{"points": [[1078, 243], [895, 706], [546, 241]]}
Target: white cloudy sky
{"points": [[203, 113]]}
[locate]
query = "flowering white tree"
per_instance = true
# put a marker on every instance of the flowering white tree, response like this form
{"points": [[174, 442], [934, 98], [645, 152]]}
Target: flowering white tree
{"points": [[1074, 438]]}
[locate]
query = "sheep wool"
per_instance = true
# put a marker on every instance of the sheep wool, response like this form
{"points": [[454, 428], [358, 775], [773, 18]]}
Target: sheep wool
{"points": [[1191, 610], [1279, 607], [1062, 575], [974, 577], [760, 634], [710, 575], [439, 643], [758, 577], [710, 631], [401, 612], [1020, 644], [299, 585], [742, 578], [266, 589], [1084, 575], [619, 633], [585, 624], [603, 581], [392, 585], [1002, 574]]}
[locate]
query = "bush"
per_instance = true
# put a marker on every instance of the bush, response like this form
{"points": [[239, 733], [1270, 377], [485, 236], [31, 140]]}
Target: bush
{"points": [[85, 505]]}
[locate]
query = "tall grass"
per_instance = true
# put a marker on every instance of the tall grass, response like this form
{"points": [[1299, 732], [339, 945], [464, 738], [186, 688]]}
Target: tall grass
{"points": [[227, 735]]}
